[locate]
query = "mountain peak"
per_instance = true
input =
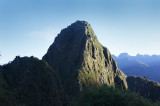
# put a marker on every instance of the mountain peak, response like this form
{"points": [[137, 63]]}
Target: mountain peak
{"points": [[79, 24], [81, 61], [123, 55], [82, 23], [83, 28]]}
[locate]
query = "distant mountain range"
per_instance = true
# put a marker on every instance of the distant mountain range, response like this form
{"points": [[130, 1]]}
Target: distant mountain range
{"points": [[140, 65]]}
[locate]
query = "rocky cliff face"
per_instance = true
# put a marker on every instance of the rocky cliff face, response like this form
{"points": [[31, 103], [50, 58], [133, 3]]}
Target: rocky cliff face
{"points": [[81, 61], [146, 88], [30, 82]]}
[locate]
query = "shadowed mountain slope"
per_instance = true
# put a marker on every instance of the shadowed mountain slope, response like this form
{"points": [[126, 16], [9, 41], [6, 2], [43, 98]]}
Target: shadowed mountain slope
{"points": [[30, 82]]}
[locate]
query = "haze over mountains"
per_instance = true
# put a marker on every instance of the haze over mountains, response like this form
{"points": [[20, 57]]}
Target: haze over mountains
{"points": [[76, 61], [140, 65]]}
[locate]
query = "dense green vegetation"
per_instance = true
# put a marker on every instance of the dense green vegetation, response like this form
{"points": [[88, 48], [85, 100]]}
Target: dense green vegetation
{"points": [[5, 93], [111, 96], [30, 82]]}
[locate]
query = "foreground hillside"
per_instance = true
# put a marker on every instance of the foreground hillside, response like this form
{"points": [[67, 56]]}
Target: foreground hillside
{"points": [[29, 82], [110, 96]]}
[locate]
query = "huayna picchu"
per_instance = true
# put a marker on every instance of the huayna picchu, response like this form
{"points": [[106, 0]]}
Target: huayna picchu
{"points": [[81, 61]]}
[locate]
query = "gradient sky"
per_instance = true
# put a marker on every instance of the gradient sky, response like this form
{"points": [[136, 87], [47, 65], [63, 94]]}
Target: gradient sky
{"points": [[28, 27]]}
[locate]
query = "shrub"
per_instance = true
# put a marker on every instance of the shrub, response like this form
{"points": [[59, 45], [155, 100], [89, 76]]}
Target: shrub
{"points": [[111, 96]]}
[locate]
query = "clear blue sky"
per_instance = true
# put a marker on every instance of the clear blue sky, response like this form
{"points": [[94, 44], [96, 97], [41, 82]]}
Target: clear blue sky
{"points": [[28, 27]]}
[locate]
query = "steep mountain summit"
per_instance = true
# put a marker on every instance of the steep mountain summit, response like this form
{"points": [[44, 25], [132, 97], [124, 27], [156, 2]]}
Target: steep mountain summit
{"points": [[81, 61]]}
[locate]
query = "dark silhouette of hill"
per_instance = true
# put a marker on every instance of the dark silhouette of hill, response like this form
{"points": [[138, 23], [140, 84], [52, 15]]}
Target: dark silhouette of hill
{"points": [[29, 82]]}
